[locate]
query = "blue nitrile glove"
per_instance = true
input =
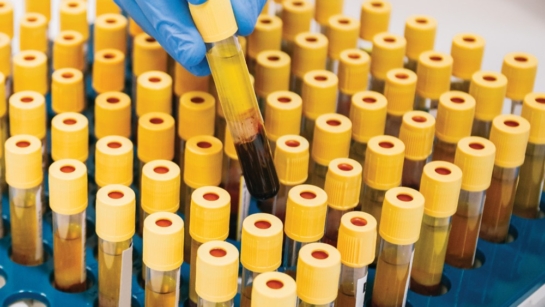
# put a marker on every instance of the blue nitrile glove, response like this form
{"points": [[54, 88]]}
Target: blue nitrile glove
{"points": [[170, 23]]}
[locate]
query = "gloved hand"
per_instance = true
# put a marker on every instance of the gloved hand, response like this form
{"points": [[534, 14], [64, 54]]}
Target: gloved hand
{"points": [[170, 23]]}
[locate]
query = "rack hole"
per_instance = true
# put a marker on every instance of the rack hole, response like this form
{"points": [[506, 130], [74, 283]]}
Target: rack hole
{"points": [[345, 167], [292, 143], [284, 99], [386, 145], [275, 284], [218, 252], [112, 100], [273, 58], [116, 195], [262, 224], [358, 221], [27, 99], [154, 79], [489, 78], [22, 144], [114, 145], [511, 123], [333, 122], [307, 195], [67, 169], [77, 288], [521, 59], [204, 145], [163, 223], [161, 170], [156, 120], [457, 100], [419, 119], [369, 100], [442, 171], [437, 290], [401, 76], [319, 255], [69, 121], [404, 197], [26, 299]]}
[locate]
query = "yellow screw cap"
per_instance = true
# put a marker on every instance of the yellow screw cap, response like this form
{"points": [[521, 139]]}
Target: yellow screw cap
{"points": [[148, 55], [510, 134], [109, 71], [5, 54], [319, 93], [318, 272], [134, 28], [343, 183], [475, 157], [68, 186], [353, 71], [3, 104], [533, 110], [217, 271], [67, 91], [433, 71], [467, 53], [420, 33], [261, 242], [39, 6], [399, 90], [327, 8], [112, 107], [357, 239], [274, 289], [342, 33], [30, 72], [388, 53], [309, 53], [291, 159], [155, 137], [111, 33], [23, 161], [153, 93], [196, 114], [113, 161], [210, 210], [27, 114], [267, 35], [33, 32], [455, 115], [203, 159], [214, 19], [73, 16], [401, 217], [332, 135], [375, 18], [184, 81], [115, 213], [283, 114], [368, 115], [305, 213], [440, 186], [416, 132], [296, 17], [70, 137], [488, 88], [163, 241], [272, 72], [160, 186], [68, 51], [520, 69], [106, 7], [6, 18], [383, 162], [229, 145]]}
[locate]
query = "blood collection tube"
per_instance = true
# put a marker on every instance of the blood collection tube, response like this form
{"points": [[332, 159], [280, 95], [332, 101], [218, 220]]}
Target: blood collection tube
{"points": [[109, 71], [147, 55], [113, 161], [155, 138], [357, 241], [374, 19], [70, 137], [528, 195], [341, 32], [24, 175], [260, 250], [420, 33], [510, 134], [441, 183], [6, 18], [342, 186], [309, 54], [30, 72], [68, 51], [67, 91], [153, 93], [68, 201], [488, 89], [399, 90], [283, 115], [5, 63], [296, 18], [520, 69], [115, 220], [112, 107], [267, 36], [233, 182], [318, 273], [455, 115], [110, 33], [39, 6], [324, 10], [306, 211], [399, 230], [274, 289], [353, 77], [417, 131], [73, 16], [3, 135], [106, 7], [433, 79], [163, 256], [272, 74], [184, 81], [475, 157], [467, 51], [388, 53], [33, 33]]}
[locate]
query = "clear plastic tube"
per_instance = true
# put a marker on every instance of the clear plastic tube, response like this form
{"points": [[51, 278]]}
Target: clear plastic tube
{"points": [[529, 188], [426, 104], [3, 138], [246, 287], [459, 84], [186, 193], [291, 253], [349, 293], [343, 103], [305, 304], [332, 224], [371, 202], [307, 129], [317, 173], [110, 270], [393, 124], [162, 288], [69, 251], [412, 172], [481, 128], [443, 151], [205, 303], [357, 152], [277, 205], [193, 297]]}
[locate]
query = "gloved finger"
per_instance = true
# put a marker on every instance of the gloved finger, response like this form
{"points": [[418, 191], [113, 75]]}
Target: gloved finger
{"points": [[201, 69], [136, 13], [246, 13]]}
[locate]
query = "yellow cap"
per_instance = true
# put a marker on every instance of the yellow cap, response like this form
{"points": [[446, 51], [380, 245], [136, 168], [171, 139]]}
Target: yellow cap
{"points": [[475, 157], [488, 88], [68, 51], [3, 104], [319, 93], [68, 186], [332, 135], [30, 72], [467, 54], [33, 32], [112, 107], [383, 162], [134, 28], [454, 116], [153, 93], [388, 53], [27, 114], [274, 289], [520, 69], [6, 18], [267, 35], [106, 7], [160, 189], [5, 54], [229, 145], [305, 213], [70, 137], [401, 216], [155, 137], [217, 271], [399, 90], [327, 8], [416, 132], [163, 241], [433, 71], [291, 159], [115, 213], [343, 183], [318, 272], [272, 72], [309, 53], [111, 32], [23, 161], [113, 161], [109, 71], [203, 158], [353, 71], [283, 114], [510, 134], [261, 242], [368, 115], [148, 55], [296, 17], [533, 110], [420, 35], [375, 18], [73, 16], [440, 186], [39, 6], [342, 33], [196, 114], [67, 92], [210, 210], [184, 81], [214, 19], [357, 239]]}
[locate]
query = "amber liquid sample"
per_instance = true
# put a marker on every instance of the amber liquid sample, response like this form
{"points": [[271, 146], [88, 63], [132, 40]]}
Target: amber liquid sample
{"points": [[305, 304], [317, 173], [481, 128], [3, 138], [348, 286], [26, 225], [332, 224], [412, 173], [371, 202], [161, 299], [357, 152], [162, 291], [393, 124], [391, 277], [193, 298], [376, 85], [110, 262], [529, 188], [443, 151], [344, 103], [246, 297], [69, 259]]}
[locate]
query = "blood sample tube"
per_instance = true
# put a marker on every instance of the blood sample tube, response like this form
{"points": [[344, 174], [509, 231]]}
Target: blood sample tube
{"points": [[324, 10], [388, 53], [109, 71], [296, 18], [33, 33], [6, 18], [184, 82], [30, 72], [420, 33], [267, 36], [106, 7], [441, 183], [341, 32], [353, 77], [488, 88], [153, 93], [68, 51], [374, 19], [233, 182], [115, 220], [274, 289], [112, 107], [67, 91], [467, 51], [433, 72], [110, 33], [39, 6], [272, 74], [73, 16], [3, 133], [283, 115], [510, 134], [399, 90], [309, 53], [113, 161], [70, 137], [520, 69], [147, 55]]}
